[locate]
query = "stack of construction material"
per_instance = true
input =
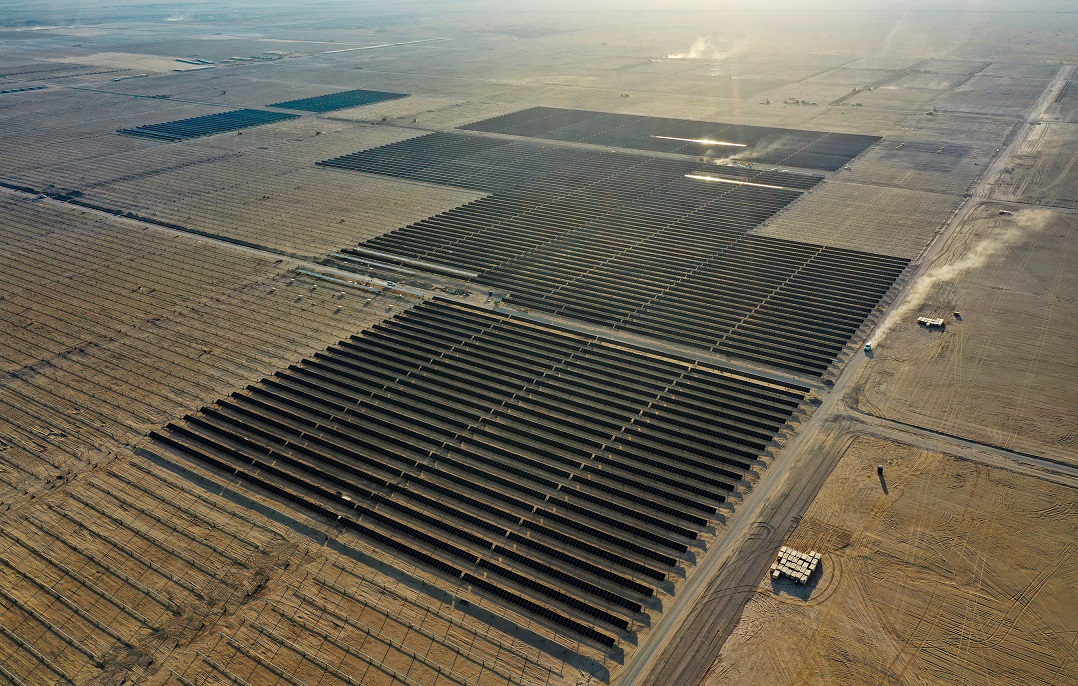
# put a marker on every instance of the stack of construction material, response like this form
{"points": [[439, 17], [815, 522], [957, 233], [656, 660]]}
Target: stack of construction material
{"points": [[795, 564]]}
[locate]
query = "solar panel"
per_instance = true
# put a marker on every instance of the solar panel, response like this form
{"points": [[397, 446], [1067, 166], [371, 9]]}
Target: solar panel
{"points": [[429, 479], [207, 125], [651, 245], [338, 101], [828, 151]]}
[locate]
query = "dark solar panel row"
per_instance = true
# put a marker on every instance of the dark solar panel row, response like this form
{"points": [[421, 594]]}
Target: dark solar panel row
{"points": [[666, 220], [5, 91], [563, 466], [655, 246], [490, 164], [810, 149], [786, 304], [338, 101], [208, 125]]}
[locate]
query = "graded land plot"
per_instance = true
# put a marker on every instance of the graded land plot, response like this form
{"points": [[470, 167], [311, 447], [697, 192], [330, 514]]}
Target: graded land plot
{"points": [[240, 86], [1005, 373], [142, 570], [1021, 71], [574, 479], [133, 63], [983, 133], [52, 73], [1044, 169], [934, 579], [112, 328], [993, 95], [1065, 105], [260, 187], [851, 76], [63, 127], [936, 166], [891, 221], [789, 68], [217, 49], [429, 112], [895, 97]]}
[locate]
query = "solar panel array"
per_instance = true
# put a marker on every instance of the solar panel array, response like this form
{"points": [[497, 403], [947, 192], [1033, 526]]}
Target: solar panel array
{"points": [[5, 91], [489, 164], [651, 245], [810, 149], [563, 474], [208, 125], [339, 101]]}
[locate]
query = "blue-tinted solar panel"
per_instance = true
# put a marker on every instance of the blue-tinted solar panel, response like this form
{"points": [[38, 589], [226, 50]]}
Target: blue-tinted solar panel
{"points": [[339, 101], [208, 125]]}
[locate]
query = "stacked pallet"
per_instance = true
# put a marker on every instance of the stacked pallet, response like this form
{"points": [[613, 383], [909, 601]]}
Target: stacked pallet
{"points": [[795, 564]]}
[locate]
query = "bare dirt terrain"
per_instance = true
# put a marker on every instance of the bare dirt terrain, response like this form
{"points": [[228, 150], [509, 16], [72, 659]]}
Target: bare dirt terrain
{"points": [[1043, 171], [1004, 373], [932, 576], [869, 218]]}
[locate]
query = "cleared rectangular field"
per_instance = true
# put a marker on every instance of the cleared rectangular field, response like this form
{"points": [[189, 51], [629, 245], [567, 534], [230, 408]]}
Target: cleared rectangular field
{"points": [[338, 101], [208, 125], [108, 328], [811, 149], [937, 166], [993, 95], [1065, 106], [565, 475], [1042, 169], [854, 216]]}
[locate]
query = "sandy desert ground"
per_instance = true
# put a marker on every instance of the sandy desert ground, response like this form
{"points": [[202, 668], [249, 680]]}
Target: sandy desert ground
{"points": [[986, 376], [946, 571]]}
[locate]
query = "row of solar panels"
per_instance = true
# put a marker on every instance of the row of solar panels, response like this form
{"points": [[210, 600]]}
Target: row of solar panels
{"points": [[518, 458], [810, 149], [236, 120], [656, 246]]}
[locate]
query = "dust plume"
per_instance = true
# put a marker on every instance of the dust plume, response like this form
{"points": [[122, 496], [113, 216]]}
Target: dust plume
{"points": [[1010, 234], [763, 149], [701, 49], [892, 34]]}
